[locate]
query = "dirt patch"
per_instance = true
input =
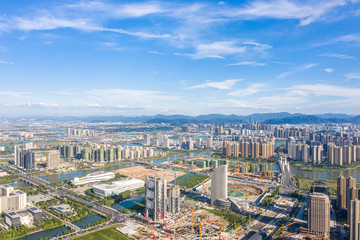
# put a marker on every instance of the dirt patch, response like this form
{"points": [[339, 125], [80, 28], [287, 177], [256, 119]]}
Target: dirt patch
{"points": [[140, 172]]}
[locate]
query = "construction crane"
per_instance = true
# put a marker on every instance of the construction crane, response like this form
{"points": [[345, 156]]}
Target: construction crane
{"points": [[148, 222], [175, 157], [167, 230], [320, 185], [199, 227], [192, 218], [284, 226]]}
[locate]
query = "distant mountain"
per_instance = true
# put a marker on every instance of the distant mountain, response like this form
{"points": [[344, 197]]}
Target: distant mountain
{"points": [[311, 119], [270, 118], [335, 115], [260, 117]]}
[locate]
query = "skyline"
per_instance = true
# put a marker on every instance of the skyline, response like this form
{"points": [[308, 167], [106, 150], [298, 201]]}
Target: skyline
{"points": [[155, 57]]}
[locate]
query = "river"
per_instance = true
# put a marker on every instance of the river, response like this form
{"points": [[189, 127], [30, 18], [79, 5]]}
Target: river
{"points": [[47, 233], [62, 176], [326, 175]]}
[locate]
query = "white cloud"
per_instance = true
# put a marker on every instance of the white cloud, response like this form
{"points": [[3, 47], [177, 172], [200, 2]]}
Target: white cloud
{"points": [[250, 90], [352, 76], [50, 22], [258, 46], [306, 12], [278, 100], [329, 70], [129, 95], [6, 62], [324, 90], [156, 52], [297, 69], [247, 63], [62, 92], [14, 94], [216, 50], [133, 10], [223, 85], [241, 104], [136, 34], [32, 105], [337, 55]]}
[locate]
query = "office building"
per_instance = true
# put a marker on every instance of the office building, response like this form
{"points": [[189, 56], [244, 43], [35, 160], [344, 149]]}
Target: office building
{"points": [[354, 219], [118, 187], [155, 197], [52, 159], [219, 184], [11, 199], [319, 214]]}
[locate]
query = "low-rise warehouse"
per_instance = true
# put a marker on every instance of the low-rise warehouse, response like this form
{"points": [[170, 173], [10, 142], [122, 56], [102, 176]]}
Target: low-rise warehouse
{"points": [[118, 187]]}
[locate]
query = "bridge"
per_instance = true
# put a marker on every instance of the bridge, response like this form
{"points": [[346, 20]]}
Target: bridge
{"points": [[66, 223]]}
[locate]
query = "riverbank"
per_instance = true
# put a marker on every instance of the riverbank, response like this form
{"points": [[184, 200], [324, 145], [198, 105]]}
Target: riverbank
{"points": [[325, 167], [304, 183]]}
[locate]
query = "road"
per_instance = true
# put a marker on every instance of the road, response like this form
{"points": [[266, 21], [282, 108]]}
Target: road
{"points": [[116, 216], [287, 178]]}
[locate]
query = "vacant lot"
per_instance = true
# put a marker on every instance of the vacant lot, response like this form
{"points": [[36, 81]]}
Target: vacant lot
{"points": [[140, 172]]}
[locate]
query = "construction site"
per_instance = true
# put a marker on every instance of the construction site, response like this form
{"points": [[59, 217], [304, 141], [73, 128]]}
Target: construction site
{"points": [[190, 224]]}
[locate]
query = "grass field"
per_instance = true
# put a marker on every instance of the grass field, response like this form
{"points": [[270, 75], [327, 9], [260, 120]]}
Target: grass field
{"points": [[192, 181], [106, 234]]}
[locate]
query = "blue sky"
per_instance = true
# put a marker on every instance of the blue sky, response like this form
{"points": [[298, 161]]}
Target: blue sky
{"points": [[187, 57]]}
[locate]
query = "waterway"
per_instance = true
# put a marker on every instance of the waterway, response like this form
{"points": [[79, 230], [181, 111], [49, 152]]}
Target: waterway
{"points": [[17, 184], [62, 176], [89, 219], [133, 200], [47, 233], [326, 175]]}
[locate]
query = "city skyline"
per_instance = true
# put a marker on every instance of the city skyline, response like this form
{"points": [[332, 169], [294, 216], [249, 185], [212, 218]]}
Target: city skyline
{"points": [[155, 57]]}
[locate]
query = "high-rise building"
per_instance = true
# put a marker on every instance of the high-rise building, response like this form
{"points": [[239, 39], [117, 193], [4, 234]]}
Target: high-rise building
{"points": [[319, 214], [173, 195], [155, 196], [147, 139], [352, 193], [29, 160], [52, 159], [219, 184], [354, 219], [18, 155], [341, 192], [316, 154]]}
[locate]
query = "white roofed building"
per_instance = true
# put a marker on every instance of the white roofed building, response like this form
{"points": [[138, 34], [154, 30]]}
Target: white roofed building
{"points": [[118, 187]]}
